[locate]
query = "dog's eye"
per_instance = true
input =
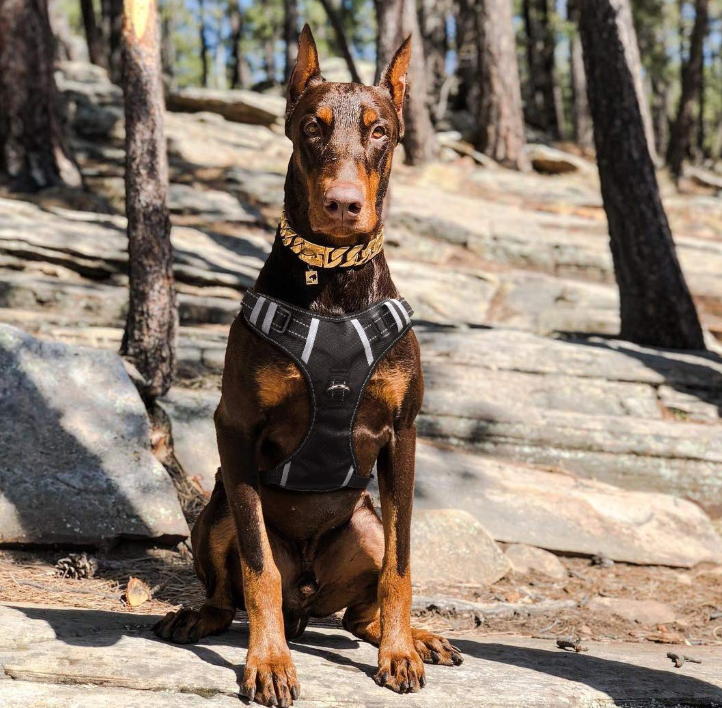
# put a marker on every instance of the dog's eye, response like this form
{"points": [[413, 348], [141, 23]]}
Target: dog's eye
{"points": [[379, 132], [311, 129]]}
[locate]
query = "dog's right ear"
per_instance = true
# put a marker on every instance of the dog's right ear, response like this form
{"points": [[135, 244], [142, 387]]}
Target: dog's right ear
{"points": [[306, 73]]}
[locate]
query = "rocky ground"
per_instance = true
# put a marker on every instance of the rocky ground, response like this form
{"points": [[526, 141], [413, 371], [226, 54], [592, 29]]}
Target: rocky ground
{"points": [[568, 481]]}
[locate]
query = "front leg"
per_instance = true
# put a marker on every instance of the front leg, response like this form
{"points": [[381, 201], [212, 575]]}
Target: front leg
{"points": [[400, 666], [270, 675]]}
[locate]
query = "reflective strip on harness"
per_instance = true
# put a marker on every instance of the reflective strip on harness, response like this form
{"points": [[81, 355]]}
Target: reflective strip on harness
{"points": [[364, 340], [337, 356]]}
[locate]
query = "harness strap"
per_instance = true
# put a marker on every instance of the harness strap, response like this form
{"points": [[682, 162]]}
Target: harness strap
{"points": [[337, 356]]}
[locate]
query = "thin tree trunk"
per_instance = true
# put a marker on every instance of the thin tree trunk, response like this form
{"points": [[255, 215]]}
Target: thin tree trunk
{"points": [[700, 152], [290, 36], [581, 118], [540, 59], [33, 150], [397, 19], [679, 141], [167, 51], [240, 72], [113, 30], [467, 69], [501, 121], [656, 306], [432, 23], [203, 42], [96, 52], [151, 329], [341, 40]]}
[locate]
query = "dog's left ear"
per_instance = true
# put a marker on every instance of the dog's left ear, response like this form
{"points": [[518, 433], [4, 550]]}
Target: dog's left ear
{"points": [[306, 73], [394, 80]]}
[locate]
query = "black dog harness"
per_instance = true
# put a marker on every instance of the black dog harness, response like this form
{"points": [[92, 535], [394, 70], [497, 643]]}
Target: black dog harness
{"points": [[337, 356]]}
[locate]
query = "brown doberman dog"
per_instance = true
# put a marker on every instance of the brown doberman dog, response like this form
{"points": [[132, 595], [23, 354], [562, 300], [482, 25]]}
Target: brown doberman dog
{"points": [[282, 555]]}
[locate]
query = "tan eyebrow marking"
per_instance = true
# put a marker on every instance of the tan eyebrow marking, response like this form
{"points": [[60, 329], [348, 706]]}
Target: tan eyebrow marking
{"points": [[325, 114], [369, 116]]}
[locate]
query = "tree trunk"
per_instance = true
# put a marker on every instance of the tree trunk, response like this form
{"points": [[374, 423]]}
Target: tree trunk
{"points": [[656, 306], [397, 19], [113, 30], [150, 334], [341, 40], [96, 50], [467, 69], [290, 36], [692, 72], [628, 37], [432, 23], [501, 121], [269, 59], [203, 42], [581, 118], [167, 51], [240, 72], [544, 108], [33, 150]]}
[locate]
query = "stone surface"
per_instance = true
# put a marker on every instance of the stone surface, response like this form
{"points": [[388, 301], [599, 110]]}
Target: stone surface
{"points": [[211, 204], [589, 406], [239, 106], [646, 612], [130, 668], [194, 434], [75, 445], [451, 546], [562, 512], [529, 559], [549, 160]]}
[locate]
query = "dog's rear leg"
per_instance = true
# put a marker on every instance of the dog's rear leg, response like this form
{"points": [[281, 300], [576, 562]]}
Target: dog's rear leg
{"points": [[214, 544]]}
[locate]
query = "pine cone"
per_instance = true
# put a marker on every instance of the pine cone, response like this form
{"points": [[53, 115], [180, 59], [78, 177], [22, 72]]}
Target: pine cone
{"points": [[77, 566]]}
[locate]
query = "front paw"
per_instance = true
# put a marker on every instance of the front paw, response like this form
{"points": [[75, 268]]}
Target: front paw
{"points": [[271, 679], [401, 670]]}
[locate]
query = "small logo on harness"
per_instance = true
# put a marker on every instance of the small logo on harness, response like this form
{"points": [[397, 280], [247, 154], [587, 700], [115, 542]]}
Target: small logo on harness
{"points": [[338, 388]]}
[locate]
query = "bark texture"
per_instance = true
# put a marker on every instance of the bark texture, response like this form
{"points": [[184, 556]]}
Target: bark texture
{"points": [[501, 121], [628, 37], [93, 36], [656, 306], [692, 75], [151, 328], [33, 150], [397, 19], [581, 117], [341, 40], [543, 107], [432, 23]]}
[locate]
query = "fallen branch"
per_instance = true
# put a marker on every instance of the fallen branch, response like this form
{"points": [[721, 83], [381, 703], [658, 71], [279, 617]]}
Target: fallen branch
{"points": [[679, 659]]}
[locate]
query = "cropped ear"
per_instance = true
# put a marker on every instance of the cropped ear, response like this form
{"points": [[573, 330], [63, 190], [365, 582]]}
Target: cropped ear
{"points": [[306, 73], [394, 79]]}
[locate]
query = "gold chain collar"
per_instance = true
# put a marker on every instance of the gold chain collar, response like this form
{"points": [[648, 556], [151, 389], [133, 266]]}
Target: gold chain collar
{"points": [[329, 256]]}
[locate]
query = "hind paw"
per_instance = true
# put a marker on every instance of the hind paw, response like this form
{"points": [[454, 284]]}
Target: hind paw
{"points": [[187, 626], [434, 649]]}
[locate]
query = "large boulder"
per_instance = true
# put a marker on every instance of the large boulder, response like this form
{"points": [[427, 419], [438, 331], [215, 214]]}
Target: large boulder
{"points": [[75, 448], [562, 512], [449, 546], [237, 105], [549, 160]]}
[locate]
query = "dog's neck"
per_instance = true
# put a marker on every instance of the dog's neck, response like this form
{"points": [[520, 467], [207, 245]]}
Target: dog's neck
{"points": [[339, 290]]}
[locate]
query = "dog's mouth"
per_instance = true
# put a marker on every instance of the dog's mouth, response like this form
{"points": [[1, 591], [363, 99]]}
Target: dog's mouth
{"points": [[344, 229]]}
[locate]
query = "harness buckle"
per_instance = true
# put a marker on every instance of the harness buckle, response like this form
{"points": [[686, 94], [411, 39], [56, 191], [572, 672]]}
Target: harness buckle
{"points": [[383, 327], [286, 314]]}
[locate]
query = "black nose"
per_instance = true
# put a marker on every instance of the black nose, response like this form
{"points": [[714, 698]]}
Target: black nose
{"points": [[343, 201]]}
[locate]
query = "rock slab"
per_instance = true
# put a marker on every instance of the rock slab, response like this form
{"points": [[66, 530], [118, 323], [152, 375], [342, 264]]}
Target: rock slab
{"points": [[76, 465], [451, 546], [527, 559], [131, 668], [562, 512]]}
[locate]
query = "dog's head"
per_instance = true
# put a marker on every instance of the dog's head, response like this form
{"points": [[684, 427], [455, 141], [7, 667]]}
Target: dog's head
{"points": [[343, 137]]}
